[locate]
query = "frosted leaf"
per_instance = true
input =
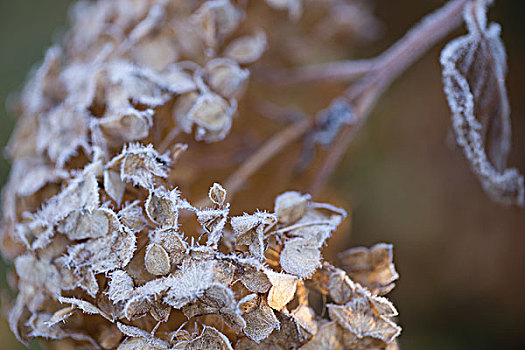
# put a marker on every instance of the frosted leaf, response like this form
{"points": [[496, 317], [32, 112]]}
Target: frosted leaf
{"points": [[141, 164], [82, 224], [247, 49], [132, 216], [134, 84], [290, 206], [162, 207], [40, 328], [329, 336], [45, 87], [61, 132], [15, 316], [210, 338], [372, 268], [474, 69], [253, 277], [160, 312], [156, 51], [249, 230], [340, 287], [61, 315], [38, 273], [172, 242], [215, 20], [358, 317], [260, 321], [211, 114], [85, 306], [103, 254], [217, 194], [28, 175], [157, 260], [189, 283], [80, 193], [213, 221], [300, 258], [136, 332], [113, 185], [120, 286], [87, 281], [218, 299], [127, 124], [176, 81], [294, 7], [138, 344], [225, 77], [283, 289]]}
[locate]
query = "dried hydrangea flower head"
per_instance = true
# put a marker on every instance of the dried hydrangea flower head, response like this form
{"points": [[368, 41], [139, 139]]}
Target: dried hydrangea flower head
{"points": [[107, 253]]}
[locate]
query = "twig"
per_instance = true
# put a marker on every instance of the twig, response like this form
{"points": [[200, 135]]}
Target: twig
{"points": [[389, 66], [265, 153]]}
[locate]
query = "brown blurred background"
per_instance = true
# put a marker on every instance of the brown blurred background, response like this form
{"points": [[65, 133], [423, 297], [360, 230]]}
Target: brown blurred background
{"points": [[461, 257]]}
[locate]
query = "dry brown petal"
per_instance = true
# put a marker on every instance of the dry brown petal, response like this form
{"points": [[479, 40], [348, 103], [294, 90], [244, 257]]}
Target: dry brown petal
{"points": [[120, 286], [81, 224], [300, 258], [85, 306], [358, 317], [28, 175], [127, 124], [61, 143], [109, 337], [132, 216], [283, 289], [260, 321], [61, 315], [213, 221], [329, 336], [172, 242], [217, 194], [225, 77], [141, 164], [210, 339], [157, 260], [156, 51], [290, 206], [137, 344], [176, 81], [249, 230], [247, 49], [160, 312], [253, 277], [161, 207], [215, 20], [113, 185], [373, 268], [134, 332], [212, 116], [218, 299]]}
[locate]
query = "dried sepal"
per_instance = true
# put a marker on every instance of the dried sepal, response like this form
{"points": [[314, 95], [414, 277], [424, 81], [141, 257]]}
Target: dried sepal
{"points": [[60, 144], [247, 49], [132, 216], [127, 125], [141, 164], [217, 194], [81, 224], [225, 77], [260, 321], [157, 260], [290, 206], [162, 207], [372, 268], [283, 289], [249, 230]]}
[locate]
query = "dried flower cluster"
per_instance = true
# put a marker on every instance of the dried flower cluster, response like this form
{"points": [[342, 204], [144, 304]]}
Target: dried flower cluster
{"points": [[108, 254]]}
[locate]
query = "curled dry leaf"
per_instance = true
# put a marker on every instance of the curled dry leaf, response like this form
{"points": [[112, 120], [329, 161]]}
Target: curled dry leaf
{"points": [[373, 268], [474, 69], [247, 49]]}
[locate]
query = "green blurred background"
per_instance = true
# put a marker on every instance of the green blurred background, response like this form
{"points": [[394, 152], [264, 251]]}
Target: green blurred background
{"points": [[461, 258]]}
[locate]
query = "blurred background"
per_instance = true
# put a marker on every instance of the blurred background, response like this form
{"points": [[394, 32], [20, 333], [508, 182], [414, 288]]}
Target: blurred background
{"points": [[461, 257]]}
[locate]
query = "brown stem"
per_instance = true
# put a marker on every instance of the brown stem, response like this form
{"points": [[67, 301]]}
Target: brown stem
{"points": [[265, 153], [389, 66]]}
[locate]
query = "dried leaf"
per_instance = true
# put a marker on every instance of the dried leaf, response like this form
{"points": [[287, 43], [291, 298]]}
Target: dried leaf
{"points": [[290, 206], [474, 69], [260, 321], [283, 289], [372, 268], [157, 260], [247, 49]]}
